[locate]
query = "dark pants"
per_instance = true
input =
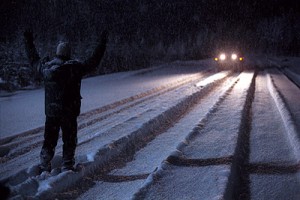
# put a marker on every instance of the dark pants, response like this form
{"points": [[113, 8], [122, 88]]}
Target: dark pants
{"points": [[69, 138]]}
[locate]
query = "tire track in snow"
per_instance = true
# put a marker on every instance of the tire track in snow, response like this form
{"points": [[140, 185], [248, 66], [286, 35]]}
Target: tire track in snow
{"points": [[199, 168], [274, 166], [238, 186], [252, 180]]}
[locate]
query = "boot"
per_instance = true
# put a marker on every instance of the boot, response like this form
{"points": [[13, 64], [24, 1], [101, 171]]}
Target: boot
{"points": [[68, 164], [45, 160], [45, 167]]}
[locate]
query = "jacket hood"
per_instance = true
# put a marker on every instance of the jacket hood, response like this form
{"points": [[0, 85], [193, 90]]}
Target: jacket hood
{"points": [[63, 50]]}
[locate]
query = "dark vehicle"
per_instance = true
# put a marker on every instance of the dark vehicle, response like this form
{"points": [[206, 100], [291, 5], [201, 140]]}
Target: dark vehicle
{"points": [[230, 60]]}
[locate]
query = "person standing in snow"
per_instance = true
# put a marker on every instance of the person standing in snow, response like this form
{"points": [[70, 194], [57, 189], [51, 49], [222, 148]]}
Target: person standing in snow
{"points": [[62, 79]]}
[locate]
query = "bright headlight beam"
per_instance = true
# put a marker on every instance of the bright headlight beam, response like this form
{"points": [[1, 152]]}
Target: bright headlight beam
{"points": [[233, 56], [222, 56]]}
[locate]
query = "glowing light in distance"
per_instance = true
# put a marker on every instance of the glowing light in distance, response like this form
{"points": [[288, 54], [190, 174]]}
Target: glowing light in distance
{"points": [[216, 59], [233, 56], [241, 58], [222, 56]]}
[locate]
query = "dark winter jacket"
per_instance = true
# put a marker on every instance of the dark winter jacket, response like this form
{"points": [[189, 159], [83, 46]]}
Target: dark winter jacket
{"points": [[62, 79]]}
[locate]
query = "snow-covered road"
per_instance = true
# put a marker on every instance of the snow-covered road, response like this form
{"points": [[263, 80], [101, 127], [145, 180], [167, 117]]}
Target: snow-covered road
{"points": [[179, 131]]}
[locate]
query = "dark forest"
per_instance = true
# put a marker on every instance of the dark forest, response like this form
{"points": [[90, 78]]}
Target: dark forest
{"points": [[145, 32]]}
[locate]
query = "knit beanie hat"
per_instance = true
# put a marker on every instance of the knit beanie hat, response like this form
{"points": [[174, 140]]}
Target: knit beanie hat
{"points": [[63, 49]]}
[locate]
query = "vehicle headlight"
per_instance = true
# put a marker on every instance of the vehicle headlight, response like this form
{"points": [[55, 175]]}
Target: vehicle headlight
{"points": [[233, 56], [222, 56]]}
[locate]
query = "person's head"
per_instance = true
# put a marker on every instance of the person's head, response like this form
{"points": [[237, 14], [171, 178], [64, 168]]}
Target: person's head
{"points": [[63, 50]]}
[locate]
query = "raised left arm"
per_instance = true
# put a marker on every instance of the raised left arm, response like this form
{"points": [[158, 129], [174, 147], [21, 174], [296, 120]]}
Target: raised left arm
{"points": [[93, 62]]}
